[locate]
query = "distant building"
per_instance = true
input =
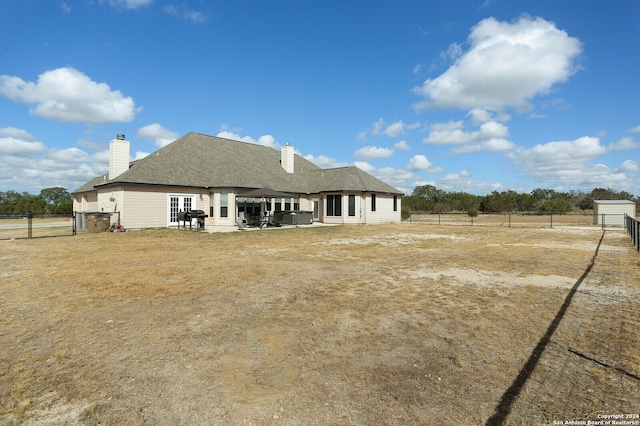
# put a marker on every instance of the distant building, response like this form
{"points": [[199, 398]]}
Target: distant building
{"points": [[201, 172], [611, 212]]}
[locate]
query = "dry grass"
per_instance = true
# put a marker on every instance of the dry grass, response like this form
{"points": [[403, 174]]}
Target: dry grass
{"points": [[356, 325]]}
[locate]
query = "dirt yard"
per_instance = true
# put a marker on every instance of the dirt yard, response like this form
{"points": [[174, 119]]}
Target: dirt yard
{"points": [[349, 325]]}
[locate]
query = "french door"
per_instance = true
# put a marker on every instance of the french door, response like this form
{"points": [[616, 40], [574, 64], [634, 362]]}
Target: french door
{"points": [[178, 203]]}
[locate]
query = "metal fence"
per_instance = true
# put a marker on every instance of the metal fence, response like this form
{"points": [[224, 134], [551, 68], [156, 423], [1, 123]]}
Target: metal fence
{"points": [[540, 220], [29, 225], [632, 226]]}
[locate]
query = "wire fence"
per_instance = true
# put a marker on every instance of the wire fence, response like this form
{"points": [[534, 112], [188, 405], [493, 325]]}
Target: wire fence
{"points": [[539, 220], [29, 225], [632, 226]]}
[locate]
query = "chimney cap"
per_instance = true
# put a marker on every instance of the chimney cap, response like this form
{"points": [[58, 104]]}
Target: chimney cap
{"points": [[120, 136]]}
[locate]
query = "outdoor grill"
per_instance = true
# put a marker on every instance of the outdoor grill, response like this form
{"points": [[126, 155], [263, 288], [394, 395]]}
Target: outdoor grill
{"points": [[189, 216], [200, 216]]}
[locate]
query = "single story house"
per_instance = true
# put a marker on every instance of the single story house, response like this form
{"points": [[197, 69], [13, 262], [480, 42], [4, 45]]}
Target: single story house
{"points": [[612, 212], [208, 173]]}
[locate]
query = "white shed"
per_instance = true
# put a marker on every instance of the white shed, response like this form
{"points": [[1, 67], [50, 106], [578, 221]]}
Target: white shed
{"points": [[611, 212]]}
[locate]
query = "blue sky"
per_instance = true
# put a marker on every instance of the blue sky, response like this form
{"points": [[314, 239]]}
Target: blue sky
{"points": [[474, 96]]}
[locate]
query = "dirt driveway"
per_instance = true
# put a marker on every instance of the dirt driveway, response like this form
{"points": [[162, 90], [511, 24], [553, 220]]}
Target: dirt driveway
{"points": [[350, 325]]}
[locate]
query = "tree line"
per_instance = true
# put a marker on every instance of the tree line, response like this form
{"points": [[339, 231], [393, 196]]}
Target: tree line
{"points": [[49, 201], [425, 198], [428, 198]]}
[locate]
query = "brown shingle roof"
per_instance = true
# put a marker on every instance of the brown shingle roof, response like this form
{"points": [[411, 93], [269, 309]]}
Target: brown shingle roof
{"points": [[197, 160]]}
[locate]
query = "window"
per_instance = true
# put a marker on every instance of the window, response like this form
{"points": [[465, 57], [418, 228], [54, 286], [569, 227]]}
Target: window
{"points": [[287, 204], [178, 203], [173, 209], [224, 204], [395, 203], [373, 202], [352, 205], [334, 205]]}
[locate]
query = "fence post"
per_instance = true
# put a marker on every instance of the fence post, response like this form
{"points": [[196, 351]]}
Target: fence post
{"points": [[509, 219], [551, 216], [29, 225]]}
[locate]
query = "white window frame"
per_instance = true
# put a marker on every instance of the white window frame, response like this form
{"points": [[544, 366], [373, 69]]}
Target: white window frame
{"points": [[180, 207]]}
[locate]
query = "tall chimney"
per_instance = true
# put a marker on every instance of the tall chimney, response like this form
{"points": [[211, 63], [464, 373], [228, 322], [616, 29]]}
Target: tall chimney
{"points": [[118, 156], [286, 158]]}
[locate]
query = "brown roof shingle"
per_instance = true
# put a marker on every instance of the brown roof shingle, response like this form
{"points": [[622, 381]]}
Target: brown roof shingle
{"points": [[198, 160]]}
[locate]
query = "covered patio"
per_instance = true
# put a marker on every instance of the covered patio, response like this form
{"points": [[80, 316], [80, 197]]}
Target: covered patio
{"points": [[258, 207]]}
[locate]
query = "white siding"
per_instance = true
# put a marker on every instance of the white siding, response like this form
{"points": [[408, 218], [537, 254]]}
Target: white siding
{"points": [[87, 202], [384, 212], [148, 207], [613, 211], [118, 157], [216, 219]]}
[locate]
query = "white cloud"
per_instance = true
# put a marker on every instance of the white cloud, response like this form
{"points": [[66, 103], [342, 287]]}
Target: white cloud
{"points": [[462, 182], [454, 51], [370, 152], [27, 164], [19, 143], [635, 129], [419, 162], [491, 136], [65, 8], [66, 94], [401, 145], [506, 65], [491, 145], [480, 115], [450, 125], [325, 162], [624, 144], [413, 126], [185, 14], [265, 140], [561, 153], [395, 177], [417, 69], [378, 127], [572, 165], [17, 133], [129, 4], [394, 129], [629, 166], [161, 135], [139, 155], [20, 147]]}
